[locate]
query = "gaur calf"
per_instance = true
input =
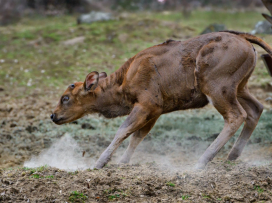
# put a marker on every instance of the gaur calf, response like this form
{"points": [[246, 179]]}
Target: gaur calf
{"points": [[169, 77]]}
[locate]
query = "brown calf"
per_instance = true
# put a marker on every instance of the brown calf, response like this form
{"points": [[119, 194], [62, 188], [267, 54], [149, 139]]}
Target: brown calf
{"points": [[168, 77]]}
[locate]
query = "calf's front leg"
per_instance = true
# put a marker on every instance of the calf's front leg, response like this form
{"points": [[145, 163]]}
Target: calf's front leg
{"points": [[135, 139], [139, 116]]}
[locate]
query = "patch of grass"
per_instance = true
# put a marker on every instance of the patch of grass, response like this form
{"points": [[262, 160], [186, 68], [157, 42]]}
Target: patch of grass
{"points": [[76, 196], [34, 170], [268, 126], [184, 197], [112, 193], [42, 168], [205, 196], [26, 168], [37, 176], [112, 197], [49, 177], [170, 184], [73, 173], [230, 162], [25, 35], [258, 189], [52, 36]]}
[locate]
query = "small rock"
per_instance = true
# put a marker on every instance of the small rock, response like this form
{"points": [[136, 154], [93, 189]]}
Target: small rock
{"points": [[30, 116], [268, 99], [93, 17], [74, 41], [214, 28], [262, 27], [194, 138], [5, 182], [123, 37], [31, 129], [149, 192], [258, 140], [13, 125], [14, 190], [87, 126], [213, 137], [46, 142]]}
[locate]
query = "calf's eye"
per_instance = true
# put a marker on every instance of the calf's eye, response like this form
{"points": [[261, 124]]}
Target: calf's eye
{"points": [[72, 86], [65, 99]]}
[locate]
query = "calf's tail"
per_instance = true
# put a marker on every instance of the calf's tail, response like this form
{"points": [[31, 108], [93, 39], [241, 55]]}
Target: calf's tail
{"points": [[253, 39]]}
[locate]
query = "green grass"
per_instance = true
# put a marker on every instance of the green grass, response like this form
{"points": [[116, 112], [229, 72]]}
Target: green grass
{"points": [[33, 49], [49, 177], [73, 173], [230, 162], [205, 196], [243, 21], [75, 196], [37, 176], [184, 197], [33, 170], [112, 197], [170, 184], [115, 193], [259, 189]]}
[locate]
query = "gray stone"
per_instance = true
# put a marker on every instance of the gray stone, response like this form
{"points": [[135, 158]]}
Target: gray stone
{"points": [[74, 41], [262, 27], [214, 28], [87, 126], [93, 17]]}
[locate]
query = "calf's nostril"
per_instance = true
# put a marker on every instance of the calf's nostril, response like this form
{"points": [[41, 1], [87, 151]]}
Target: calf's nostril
{"points": [[52, 116]]}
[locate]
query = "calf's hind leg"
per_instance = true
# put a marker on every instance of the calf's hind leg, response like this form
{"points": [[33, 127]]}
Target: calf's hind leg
{"points": [[135, 139], [254, 110], [234, 115]]}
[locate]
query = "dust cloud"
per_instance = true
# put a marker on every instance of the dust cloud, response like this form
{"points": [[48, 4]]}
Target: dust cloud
{"points": [[65, 154]]}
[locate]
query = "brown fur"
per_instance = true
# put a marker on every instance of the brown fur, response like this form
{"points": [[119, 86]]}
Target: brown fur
{"points": [[173, 76]]}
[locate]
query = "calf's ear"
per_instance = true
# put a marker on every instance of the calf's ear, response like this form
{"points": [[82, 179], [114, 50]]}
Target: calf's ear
{"points": [[91, 81], [102, 75]]}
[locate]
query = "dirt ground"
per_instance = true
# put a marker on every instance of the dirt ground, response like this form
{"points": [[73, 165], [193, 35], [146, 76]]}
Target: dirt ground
{"points": [[220, 182], [42, 163]]}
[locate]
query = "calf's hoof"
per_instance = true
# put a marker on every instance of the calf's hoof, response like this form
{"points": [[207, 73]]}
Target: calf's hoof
{"points": [[124, 161], [200, 166], [99, 165], [232, 156]]}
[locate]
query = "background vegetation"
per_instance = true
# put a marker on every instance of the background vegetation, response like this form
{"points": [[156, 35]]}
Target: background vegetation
{"points": [[33, 54]]}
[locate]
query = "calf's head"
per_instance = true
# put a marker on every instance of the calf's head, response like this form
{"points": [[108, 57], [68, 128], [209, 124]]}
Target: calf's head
{"points": [[77, 100]]}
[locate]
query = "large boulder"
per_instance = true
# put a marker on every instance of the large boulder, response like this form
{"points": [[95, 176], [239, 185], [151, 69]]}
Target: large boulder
{"points": [[262, 27], [93, 17]]}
